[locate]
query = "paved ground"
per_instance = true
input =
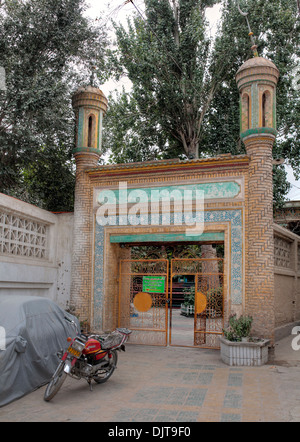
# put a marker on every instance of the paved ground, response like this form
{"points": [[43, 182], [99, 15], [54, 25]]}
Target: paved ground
{"points": [[174, 384]]}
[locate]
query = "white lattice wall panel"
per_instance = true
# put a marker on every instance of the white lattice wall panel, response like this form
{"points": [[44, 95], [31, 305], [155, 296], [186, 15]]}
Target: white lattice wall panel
{"points": [[23, 237], [282, 252]]}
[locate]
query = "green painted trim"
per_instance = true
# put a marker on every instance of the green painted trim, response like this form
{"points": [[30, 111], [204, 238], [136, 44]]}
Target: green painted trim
{"points": [[255, 106], [274, 110], [258, 82], [80, 133], [167, 237], [210, 190], [241, 113], [86, 149], [100, 130], [259, 130]]}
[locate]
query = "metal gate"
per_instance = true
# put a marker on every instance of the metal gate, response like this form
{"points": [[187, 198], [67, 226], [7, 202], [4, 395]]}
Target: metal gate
{"points": [[143, 300], [146, 301], [207, 313]]}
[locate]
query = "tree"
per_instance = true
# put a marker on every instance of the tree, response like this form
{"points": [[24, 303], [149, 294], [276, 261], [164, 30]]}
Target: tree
{"points": [[49, 181], [169, 69], [132, 136], [277, 26], [46, 48], [183, 81]]}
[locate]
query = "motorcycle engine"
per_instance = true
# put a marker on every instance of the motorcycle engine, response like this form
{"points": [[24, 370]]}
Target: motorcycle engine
{"points": [[81, 368]]}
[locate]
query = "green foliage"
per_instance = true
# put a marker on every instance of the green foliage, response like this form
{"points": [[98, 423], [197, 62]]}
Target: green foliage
{"points": [[238, 327], [167, 67], [130, 142], [189, 296], [276, 26], [49, 179], [281, 186], [184, 100], [42, 45]]}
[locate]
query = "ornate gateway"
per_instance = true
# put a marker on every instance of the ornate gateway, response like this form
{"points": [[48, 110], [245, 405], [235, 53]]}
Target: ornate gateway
{"points": [[154, 292]]}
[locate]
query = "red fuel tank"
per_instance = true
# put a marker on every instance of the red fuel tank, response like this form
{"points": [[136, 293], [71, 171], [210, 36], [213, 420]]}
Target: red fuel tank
{"points": [[92, 346]]}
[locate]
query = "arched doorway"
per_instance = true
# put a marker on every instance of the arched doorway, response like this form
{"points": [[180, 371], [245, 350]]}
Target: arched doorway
{"points": [[173, 294]]}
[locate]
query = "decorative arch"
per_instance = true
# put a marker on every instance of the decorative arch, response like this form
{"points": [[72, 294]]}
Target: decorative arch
{"points": [[246, 115], [266, 109]]}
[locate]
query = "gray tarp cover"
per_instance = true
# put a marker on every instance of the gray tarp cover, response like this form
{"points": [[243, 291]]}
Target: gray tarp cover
{"points": [[35, 330]]}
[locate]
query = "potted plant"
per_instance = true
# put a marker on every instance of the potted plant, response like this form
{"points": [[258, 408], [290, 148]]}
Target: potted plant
{"points": [[239, 328], [188, 305], [238, 347]]}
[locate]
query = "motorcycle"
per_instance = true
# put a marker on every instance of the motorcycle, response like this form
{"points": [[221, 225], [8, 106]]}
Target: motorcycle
{"points": [[92, 357]]}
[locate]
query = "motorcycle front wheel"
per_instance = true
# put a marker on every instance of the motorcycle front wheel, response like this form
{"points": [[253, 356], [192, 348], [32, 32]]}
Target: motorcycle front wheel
{"points": [[56, 382], [105, 373]]}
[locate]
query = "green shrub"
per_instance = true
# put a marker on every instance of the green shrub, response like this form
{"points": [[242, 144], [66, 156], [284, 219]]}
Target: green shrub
{"points": [[238, 327], [189, 296]]}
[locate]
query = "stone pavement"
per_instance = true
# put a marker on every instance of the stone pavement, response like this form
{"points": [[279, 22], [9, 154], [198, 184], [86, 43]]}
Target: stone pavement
{"points": [[174, 384]]}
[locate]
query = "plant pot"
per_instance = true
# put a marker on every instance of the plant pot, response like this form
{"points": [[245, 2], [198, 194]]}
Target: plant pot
{"points": [[244, 353], [187, 310]]}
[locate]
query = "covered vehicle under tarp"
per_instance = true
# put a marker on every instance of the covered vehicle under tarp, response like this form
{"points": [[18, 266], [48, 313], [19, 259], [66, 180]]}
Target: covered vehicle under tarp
{"points": [[35, 329]]}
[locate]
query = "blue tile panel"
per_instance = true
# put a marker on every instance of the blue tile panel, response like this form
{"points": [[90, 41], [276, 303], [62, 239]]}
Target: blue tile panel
{"points": [[234, 217]]}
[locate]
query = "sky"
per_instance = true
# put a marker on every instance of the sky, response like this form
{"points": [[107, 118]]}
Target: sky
{"points": [[118, 11]]}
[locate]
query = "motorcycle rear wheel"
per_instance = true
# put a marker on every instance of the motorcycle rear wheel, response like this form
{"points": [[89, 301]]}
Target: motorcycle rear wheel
{"points": [[56, 382], [105, 374]]}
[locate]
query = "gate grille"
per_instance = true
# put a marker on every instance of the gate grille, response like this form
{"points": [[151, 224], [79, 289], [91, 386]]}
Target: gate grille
{"points": [[143, 300], [209, 300]]}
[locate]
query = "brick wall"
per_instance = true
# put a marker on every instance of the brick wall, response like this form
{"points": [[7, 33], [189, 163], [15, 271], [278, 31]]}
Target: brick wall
{"points": [[82, 275], [260, 243], [286, 280]]}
